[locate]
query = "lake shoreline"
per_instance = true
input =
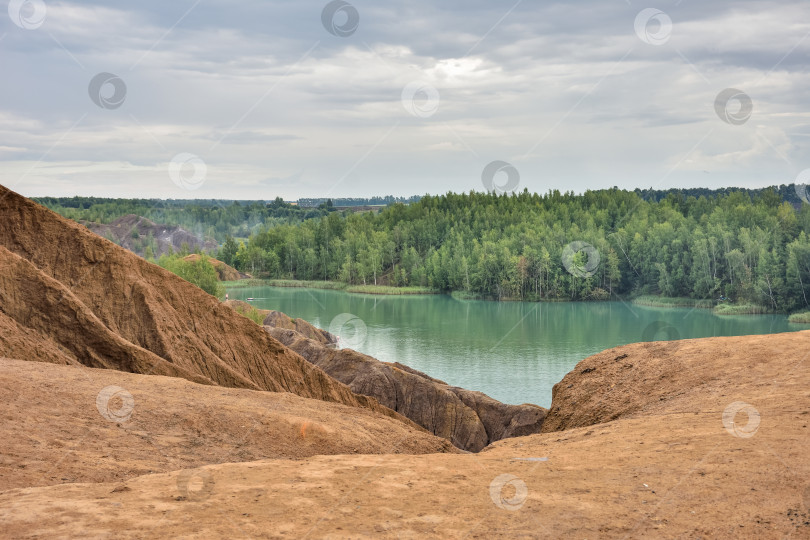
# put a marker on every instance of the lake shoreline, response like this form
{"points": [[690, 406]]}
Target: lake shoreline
{"points": [[384, 290], [454, 341]]}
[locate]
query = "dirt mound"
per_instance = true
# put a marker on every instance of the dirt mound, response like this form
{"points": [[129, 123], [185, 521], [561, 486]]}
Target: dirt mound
{"points": [[135, 232], [677, 464], [63, 424], [225, 272], [470, 420], [69, 296], [646, 378]]}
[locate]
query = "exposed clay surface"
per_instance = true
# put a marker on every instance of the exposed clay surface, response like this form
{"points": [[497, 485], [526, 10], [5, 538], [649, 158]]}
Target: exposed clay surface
{"points": [[470, 420], [68, 296], [277, 319], [54, 432], [665, 468]]}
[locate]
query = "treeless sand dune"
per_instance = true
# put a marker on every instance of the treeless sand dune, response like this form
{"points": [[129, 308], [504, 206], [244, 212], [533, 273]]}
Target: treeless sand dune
{"points": [[67, 424], [69, 296], [675, 462]]}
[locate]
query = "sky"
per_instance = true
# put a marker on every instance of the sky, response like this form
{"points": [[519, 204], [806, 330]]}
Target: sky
{"points": [[259, 98]]}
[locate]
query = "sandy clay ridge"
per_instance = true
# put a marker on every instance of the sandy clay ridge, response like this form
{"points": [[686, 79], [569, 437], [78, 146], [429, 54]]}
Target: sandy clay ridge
{"points": [[219, 431]]}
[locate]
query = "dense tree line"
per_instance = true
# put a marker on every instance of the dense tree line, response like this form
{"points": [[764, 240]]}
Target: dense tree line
{"points": [[750, 248], [787, 192], [359, 201]]}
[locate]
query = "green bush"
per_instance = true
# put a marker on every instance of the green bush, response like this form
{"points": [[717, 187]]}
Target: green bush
{"points": [[200, 272]]}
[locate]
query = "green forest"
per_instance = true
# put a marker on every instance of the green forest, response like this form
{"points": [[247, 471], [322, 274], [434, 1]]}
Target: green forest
{"points": [[746, 247], [604, 244]]}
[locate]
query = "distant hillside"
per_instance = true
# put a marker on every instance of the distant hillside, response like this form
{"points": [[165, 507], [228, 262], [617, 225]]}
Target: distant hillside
{"points": [[211, 219], [140, 235]]}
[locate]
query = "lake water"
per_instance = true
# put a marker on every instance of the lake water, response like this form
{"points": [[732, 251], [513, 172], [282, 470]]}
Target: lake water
{"points": [[512, 351]]}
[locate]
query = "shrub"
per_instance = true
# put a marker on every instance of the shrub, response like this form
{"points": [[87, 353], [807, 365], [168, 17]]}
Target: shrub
{"points": [[200, 272], [800, 318]]}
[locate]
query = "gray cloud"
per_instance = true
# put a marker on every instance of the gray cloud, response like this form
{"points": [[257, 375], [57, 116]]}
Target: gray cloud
{"points": [[276, 105]]}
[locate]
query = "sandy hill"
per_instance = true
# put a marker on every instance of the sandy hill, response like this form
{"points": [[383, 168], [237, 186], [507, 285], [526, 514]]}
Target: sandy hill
{"points": [[642, 453], [60, 426], [130, 231], [68, 296], [693, 439]]}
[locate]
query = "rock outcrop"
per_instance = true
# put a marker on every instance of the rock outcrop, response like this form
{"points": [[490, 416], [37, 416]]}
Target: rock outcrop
{"points": [[647, 378], [470, 420], [277, 319]]}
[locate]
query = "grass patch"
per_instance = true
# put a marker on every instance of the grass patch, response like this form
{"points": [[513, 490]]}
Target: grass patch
{"points": [[667, 301], [244, 283], [251, 313], [304, 284], [384, 289], [329, 285], [741, 309], [466, 295], [800, 318]]}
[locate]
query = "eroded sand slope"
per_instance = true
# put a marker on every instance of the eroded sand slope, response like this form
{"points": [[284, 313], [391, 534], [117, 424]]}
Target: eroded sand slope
{"points": [[68, 296], [652, 456], [65, 424]]}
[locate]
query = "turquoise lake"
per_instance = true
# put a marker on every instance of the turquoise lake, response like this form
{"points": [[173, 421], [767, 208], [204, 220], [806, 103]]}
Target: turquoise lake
{"points": [[512, 351]]}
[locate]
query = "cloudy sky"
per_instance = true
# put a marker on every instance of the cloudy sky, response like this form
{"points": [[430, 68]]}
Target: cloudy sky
{"points": [[262, 98]]}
